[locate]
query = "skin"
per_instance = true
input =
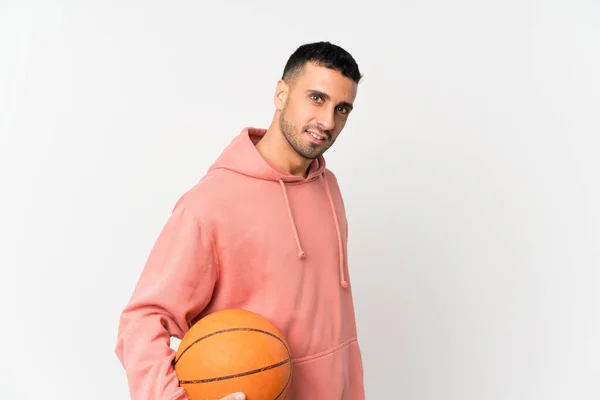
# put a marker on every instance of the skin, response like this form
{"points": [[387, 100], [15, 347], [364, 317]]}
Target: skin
{"points": [[235, 396], [316, 98]]}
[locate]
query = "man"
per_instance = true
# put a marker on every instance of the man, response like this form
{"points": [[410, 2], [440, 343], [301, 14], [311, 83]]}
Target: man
{"points": [[264, 230]]}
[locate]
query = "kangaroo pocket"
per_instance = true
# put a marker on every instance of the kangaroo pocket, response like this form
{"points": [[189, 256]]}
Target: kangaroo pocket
{"points": [[334, 374]]}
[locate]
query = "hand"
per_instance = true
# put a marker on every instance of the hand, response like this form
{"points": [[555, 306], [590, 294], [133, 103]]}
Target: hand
{"points": [[235, 396]]}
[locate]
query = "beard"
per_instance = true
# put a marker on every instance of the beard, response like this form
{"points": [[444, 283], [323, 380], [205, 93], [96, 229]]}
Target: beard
{"points": [[294, 136]]}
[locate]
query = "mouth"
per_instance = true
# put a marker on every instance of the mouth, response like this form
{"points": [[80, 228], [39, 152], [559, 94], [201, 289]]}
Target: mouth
{"points": [[316, 137]]}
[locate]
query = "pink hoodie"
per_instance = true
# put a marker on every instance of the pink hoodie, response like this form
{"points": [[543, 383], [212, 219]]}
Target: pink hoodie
{"points": [[249, 236]]}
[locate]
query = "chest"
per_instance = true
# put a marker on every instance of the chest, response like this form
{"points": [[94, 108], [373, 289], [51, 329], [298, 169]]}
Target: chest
{"points": [[263, 233]]}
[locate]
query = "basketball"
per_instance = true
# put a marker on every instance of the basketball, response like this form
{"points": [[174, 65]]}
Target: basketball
{"points": [[234, 351]]}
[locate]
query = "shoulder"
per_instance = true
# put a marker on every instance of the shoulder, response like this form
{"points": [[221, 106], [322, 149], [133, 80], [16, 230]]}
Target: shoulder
{"points": [[334, 186], [332, 179], [202, 198]]}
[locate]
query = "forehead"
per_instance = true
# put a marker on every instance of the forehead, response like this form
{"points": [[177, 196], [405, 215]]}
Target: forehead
{"points": [[336, 85]]}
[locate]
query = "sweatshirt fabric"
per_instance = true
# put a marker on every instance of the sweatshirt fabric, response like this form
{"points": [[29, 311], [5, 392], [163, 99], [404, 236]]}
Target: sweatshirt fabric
{"points": [[249, 236]]}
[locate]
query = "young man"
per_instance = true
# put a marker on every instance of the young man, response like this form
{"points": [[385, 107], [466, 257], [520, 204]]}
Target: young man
{"points": [[264, 230]]}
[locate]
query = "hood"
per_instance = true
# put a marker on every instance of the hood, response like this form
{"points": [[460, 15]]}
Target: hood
{"points": [[242, 157]]}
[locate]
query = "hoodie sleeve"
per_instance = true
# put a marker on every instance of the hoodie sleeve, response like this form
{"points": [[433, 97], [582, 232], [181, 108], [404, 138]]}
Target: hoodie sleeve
{"points": [[174, 287]]}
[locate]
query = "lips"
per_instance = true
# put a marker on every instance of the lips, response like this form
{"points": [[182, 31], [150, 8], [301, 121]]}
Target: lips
{"points": [[316, 135]]}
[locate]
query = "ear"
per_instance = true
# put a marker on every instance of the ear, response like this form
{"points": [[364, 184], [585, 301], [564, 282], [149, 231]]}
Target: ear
{"points": [[281, 94]]}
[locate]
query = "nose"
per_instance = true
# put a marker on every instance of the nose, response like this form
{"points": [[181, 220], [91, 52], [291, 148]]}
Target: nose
{"points": [[326, 119]]}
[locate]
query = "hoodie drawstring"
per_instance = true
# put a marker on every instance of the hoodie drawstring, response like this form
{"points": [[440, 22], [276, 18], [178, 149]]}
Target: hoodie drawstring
{"points": [[301, 253], [339, 234]]}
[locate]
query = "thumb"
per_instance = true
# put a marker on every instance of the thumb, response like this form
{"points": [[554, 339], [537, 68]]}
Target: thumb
{"points": [[235, 396]]}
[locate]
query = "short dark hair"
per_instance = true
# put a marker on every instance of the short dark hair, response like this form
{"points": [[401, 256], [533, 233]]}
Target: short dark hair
{"points": [[324, 54]]}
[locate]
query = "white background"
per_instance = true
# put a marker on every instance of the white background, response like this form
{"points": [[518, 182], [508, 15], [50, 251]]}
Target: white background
{"points": [[470, 170]]}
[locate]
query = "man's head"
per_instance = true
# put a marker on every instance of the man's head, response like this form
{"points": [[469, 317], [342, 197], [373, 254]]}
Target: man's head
{"points": [[315, 95]]}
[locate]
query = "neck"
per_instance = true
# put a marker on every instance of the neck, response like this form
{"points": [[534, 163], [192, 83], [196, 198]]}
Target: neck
{"points": [[276, 150]]}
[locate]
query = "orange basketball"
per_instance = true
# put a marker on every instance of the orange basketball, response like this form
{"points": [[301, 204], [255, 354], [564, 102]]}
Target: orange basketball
{"points": [[234, 351]]}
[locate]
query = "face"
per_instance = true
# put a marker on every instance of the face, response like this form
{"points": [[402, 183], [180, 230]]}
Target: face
{"points": [[314, 108]]}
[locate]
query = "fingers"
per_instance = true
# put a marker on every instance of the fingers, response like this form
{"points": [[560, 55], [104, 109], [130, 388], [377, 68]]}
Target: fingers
{"points": [[235, 396]]}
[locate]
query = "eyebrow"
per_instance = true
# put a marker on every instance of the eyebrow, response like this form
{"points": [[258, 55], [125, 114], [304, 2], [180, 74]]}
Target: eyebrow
{"points": [[327, 97]]}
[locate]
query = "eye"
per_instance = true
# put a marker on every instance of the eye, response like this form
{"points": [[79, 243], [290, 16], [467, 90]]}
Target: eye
{"points": [[315, 97], [343, 110]]}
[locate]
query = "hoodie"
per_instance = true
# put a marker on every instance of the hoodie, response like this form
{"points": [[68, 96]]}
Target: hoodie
{"points": [[249, 236]]}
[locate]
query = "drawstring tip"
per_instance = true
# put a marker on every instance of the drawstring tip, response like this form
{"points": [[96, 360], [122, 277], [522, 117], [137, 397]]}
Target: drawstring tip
{"points": [[301, 255], [344, 284]]}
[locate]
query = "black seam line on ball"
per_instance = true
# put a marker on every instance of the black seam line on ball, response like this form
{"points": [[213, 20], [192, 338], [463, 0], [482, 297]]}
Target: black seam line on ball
{"points": [[230, 330], [222, 378]]}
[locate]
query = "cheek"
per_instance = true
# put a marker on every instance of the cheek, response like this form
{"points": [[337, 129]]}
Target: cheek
{"points": [[340, 122], [305, 113], [299, 116], [306, 117]]}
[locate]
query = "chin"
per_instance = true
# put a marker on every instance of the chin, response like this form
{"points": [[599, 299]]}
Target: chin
{"points": [[310, 155]]}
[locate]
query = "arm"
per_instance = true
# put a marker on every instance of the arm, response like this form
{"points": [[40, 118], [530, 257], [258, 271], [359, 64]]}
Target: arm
{"points": [[175, 285]]}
